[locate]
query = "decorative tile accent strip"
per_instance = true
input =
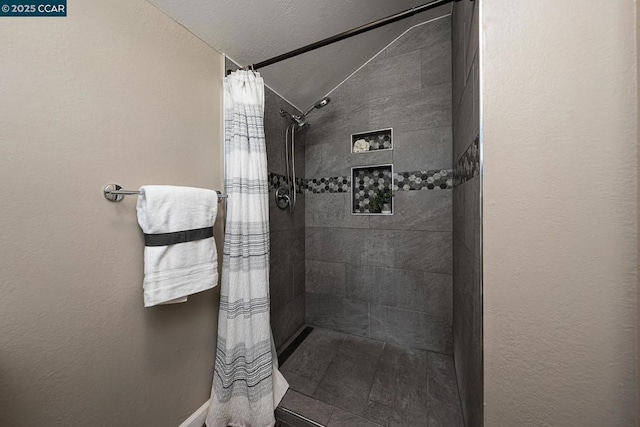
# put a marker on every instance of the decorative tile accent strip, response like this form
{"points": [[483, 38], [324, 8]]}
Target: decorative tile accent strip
{"points": [[468, 167], [403, 181], [424, 180], [368, 183], [333, 184], [276, 180]]}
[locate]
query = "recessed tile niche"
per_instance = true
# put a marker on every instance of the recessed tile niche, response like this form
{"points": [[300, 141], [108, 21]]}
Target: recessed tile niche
{"points": [[375, 140], [372, 190]]}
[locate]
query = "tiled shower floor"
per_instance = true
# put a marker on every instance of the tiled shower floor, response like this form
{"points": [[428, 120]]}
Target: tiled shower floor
{"points": [[341, 380]]}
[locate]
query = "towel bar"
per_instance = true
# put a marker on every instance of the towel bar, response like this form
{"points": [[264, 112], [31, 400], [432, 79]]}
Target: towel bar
{"points": [[115, 193]]}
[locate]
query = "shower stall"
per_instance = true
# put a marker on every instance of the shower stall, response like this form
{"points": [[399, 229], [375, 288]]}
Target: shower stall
{"points": [[376, 314]]}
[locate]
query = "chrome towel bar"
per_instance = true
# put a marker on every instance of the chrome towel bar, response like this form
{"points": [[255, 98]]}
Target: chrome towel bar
{"points": [[115, 193]]}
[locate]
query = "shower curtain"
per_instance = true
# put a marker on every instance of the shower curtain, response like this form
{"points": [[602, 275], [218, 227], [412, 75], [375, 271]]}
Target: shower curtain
{"points": [[247, 385]]}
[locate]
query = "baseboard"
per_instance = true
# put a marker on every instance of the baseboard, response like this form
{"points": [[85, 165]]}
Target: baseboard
{"points": [[197, 418]]}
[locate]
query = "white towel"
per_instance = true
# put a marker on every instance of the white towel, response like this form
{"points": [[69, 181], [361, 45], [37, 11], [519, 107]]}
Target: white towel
{"points": [[180, 256]]}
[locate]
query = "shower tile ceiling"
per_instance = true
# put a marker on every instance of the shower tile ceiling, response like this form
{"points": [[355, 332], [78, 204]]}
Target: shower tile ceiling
{"points": [[252, 31]]}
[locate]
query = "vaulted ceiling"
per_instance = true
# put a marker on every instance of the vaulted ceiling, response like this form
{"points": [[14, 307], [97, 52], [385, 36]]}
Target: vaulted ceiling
{"points": [[252, 31]]}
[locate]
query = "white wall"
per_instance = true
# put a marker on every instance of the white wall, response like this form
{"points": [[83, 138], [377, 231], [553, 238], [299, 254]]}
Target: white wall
{"points": [[560, 223], [115, 92]]}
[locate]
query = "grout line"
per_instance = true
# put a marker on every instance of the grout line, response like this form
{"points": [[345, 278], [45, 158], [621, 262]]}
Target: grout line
{"points": [[379, 265], [331, 417], [455, 374], [463, 244], [378, 363], [381, 229], [378, 366], [333, 411], [369, 318], [310, 396], [329, 364], [358, 416], [428, 402], [384, 342]]}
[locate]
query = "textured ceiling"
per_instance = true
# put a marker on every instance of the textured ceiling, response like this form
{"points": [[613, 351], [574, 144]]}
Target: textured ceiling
{"points": [[252, 31]]}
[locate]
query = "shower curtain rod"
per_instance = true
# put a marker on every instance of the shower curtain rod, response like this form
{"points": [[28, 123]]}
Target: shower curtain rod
{"points": [[354, 32]]}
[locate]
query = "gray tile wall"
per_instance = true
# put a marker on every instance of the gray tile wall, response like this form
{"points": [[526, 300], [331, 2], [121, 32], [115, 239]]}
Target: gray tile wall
{"points": [[287, 274], [467, 277], [388, 278]]}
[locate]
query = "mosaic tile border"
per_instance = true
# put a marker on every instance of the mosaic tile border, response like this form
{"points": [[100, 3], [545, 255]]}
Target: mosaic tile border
{"points": [[440, 179], [424, 180], [276, 180], [332, 184], [468, 167]]}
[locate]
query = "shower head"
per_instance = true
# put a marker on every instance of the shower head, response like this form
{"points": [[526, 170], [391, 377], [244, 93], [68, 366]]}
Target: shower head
{"points": [[301, 120], [320, 104]]}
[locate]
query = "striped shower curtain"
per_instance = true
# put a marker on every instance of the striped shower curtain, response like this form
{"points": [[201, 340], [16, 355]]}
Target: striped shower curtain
{"points": [[247, 385]]}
